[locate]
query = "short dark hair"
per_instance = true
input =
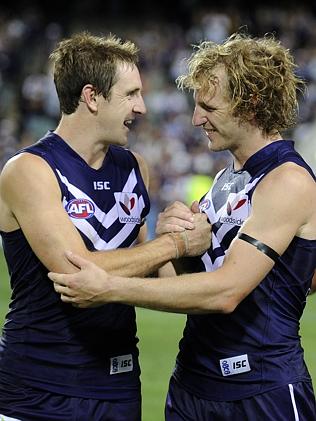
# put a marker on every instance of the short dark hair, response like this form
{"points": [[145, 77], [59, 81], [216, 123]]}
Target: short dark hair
{"points": [[85, 58]]}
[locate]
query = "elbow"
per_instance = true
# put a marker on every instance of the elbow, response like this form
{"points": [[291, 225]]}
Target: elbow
{"points": [[224, 301], [227, 305]]}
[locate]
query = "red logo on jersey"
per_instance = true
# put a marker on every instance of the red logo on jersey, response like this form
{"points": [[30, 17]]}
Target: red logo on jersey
{"points": [[237, 206], [80, 209], [128, 204]]}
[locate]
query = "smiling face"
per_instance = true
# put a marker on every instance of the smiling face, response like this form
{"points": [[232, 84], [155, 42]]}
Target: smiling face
{"points": [[213, 112], [117, 113]]}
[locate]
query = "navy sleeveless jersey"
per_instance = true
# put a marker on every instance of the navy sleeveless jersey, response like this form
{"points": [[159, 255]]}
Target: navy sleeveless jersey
{"points": [[256, 348], [51, 345]]}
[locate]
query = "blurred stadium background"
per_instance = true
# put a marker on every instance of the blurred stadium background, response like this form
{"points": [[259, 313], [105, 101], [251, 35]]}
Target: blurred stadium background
{"points": [[177, 155]]}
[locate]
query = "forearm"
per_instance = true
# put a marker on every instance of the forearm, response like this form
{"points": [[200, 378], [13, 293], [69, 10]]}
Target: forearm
{"points": [[142, 259], [167, 270], [189, 294], [197, 293]]}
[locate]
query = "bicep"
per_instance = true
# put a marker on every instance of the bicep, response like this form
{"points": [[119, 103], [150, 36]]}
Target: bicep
{"points": [[34, 198], [280, 208], [243, 269], [274, 221]]}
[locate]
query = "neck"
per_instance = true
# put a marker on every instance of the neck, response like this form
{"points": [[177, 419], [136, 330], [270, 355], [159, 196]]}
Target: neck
{"points": [[244, 151], [81, 139]]}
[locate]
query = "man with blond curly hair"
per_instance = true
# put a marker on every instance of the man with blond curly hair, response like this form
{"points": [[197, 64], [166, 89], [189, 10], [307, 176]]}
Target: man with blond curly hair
{"points": [[240, 356]]}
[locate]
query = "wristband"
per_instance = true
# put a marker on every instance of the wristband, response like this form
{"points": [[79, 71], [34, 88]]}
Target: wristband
{"points": [[181, 243]]}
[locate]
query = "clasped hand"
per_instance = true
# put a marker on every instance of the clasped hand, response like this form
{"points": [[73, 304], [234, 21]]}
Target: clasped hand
{"points": [[178, 217]]}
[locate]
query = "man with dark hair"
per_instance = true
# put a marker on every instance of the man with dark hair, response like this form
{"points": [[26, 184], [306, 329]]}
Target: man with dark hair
{"points": [[79, 188], [240, 357]]}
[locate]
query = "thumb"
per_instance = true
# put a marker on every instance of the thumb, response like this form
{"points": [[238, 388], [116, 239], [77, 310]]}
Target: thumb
{"points": [[76, 260], [195, 207]]}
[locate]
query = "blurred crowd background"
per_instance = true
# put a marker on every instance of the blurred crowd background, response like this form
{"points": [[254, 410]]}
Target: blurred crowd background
{"points": [[180, 164]]}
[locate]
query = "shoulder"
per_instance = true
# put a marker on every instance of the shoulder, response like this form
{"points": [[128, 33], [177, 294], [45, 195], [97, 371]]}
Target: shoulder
{"points": [[25, 171], [24, 163], [289, 178], [288, 191]]}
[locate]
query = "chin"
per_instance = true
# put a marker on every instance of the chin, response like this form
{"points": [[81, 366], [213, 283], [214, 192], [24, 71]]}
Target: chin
{"points": [[216, 148], [121, 142]]}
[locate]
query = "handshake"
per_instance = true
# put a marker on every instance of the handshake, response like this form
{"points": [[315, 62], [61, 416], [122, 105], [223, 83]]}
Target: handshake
{"points": [[189, 229], [98, 279]]}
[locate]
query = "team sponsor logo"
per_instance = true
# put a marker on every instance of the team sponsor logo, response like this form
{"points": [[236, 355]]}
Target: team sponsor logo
{"points": [[234, 365], [237, 206], [128, 209], [236, 210], [80, 208], [128, 204], [204, 205], [121, 364]]}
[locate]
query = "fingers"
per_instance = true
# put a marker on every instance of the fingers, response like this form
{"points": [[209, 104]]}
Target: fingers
{"points": [[63, 290], [165, 225], [200, 218], [195, 208], [58, 278], [175, 218], [63, 279], [77, 260], [200, 238], [66, 294], [179, 210]]}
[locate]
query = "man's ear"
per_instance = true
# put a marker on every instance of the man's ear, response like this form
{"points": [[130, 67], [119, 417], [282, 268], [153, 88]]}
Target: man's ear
{"points": [[89, 97]]}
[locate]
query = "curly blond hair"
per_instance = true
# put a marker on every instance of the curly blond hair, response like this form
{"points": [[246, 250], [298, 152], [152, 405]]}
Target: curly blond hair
{"points": [[261, 78]]}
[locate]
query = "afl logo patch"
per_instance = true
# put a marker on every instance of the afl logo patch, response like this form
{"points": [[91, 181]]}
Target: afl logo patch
{"points": [[80, 208], [204, 205]]}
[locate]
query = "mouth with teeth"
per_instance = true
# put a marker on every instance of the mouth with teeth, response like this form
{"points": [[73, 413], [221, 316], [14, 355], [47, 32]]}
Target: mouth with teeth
{"points": [[210, 131], [128, 123]]}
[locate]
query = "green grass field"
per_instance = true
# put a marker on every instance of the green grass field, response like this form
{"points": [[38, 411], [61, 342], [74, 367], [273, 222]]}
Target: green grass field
{"points": [[159, 334]]}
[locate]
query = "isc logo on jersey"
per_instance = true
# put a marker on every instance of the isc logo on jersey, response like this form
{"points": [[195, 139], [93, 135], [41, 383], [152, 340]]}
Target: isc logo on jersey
{"points": [[234, 365], [121, 364], [128, 207], [80, 208]]}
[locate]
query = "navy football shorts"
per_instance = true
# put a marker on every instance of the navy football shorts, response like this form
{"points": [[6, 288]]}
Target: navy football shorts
{"points": [[293, 402], [23, 403]]}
